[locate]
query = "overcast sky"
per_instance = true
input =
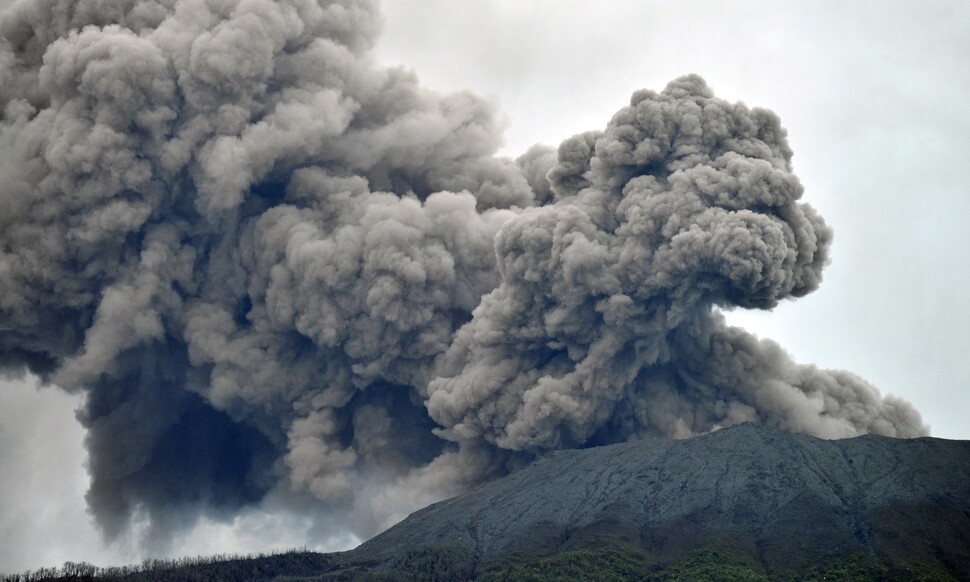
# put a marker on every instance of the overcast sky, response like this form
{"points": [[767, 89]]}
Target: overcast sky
{"points": [[873, 95]]}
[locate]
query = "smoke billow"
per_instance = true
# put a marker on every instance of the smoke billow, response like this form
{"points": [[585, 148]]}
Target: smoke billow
{"points": [[279, 270]]}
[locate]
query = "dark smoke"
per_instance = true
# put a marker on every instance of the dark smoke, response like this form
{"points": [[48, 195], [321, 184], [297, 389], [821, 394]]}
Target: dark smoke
{"points": [[277, 269]]}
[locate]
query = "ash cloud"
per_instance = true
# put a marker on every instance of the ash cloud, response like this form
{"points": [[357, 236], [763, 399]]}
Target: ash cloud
{"points": [[278, 270]]}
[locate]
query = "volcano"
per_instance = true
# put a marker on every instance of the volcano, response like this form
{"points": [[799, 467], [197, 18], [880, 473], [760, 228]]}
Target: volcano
{"points": [[780, 503], [747, 502]]}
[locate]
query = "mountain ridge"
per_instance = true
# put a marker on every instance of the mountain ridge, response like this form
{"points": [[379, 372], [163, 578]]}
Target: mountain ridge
{"points": [[747, 487], [746, 502]]}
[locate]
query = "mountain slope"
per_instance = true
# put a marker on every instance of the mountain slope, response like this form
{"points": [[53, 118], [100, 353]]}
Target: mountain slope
{"points": [[783, 500], [743, 503]]}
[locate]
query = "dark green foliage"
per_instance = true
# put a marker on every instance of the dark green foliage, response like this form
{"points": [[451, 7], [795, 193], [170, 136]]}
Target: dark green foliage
{"points": [[626, 564], [710, 566], [609, 565], [218, 568], [429, 563], [437, 563], [703, 566], [866, 568]]}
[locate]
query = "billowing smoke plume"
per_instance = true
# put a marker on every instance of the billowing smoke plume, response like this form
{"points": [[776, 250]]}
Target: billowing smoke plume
{"points": [[275, 268]]}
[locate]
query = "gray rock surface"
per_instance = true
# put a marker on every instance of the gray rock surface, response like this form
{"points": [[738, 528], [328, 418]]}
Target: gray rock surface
{"points": [[785, 497]]}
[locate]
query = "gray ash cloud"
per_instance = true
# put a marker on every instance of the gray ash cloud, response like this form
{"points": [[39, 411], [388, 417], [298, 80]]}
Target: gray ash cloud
{"points": [[277, 269]]}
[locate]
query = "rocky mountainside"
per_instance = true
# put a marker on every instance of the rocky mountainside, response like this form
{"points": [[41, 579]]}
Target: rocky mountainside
{"points": [[781, 501], [743, 503]]}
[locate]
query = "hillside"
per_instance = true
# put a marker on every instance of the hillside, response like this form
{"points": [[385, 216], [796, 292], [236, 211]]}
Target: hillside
{"points": [[776, 500], [743, 503]]}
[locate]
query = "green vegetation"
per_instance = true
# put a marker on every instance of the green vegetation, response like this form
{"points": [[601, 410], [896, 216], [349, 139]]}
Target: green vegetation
{"points": [[624, 564], [607, 563], [221, 567], [610, 565], [427, 563], [710, 566], [865, 568]]}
